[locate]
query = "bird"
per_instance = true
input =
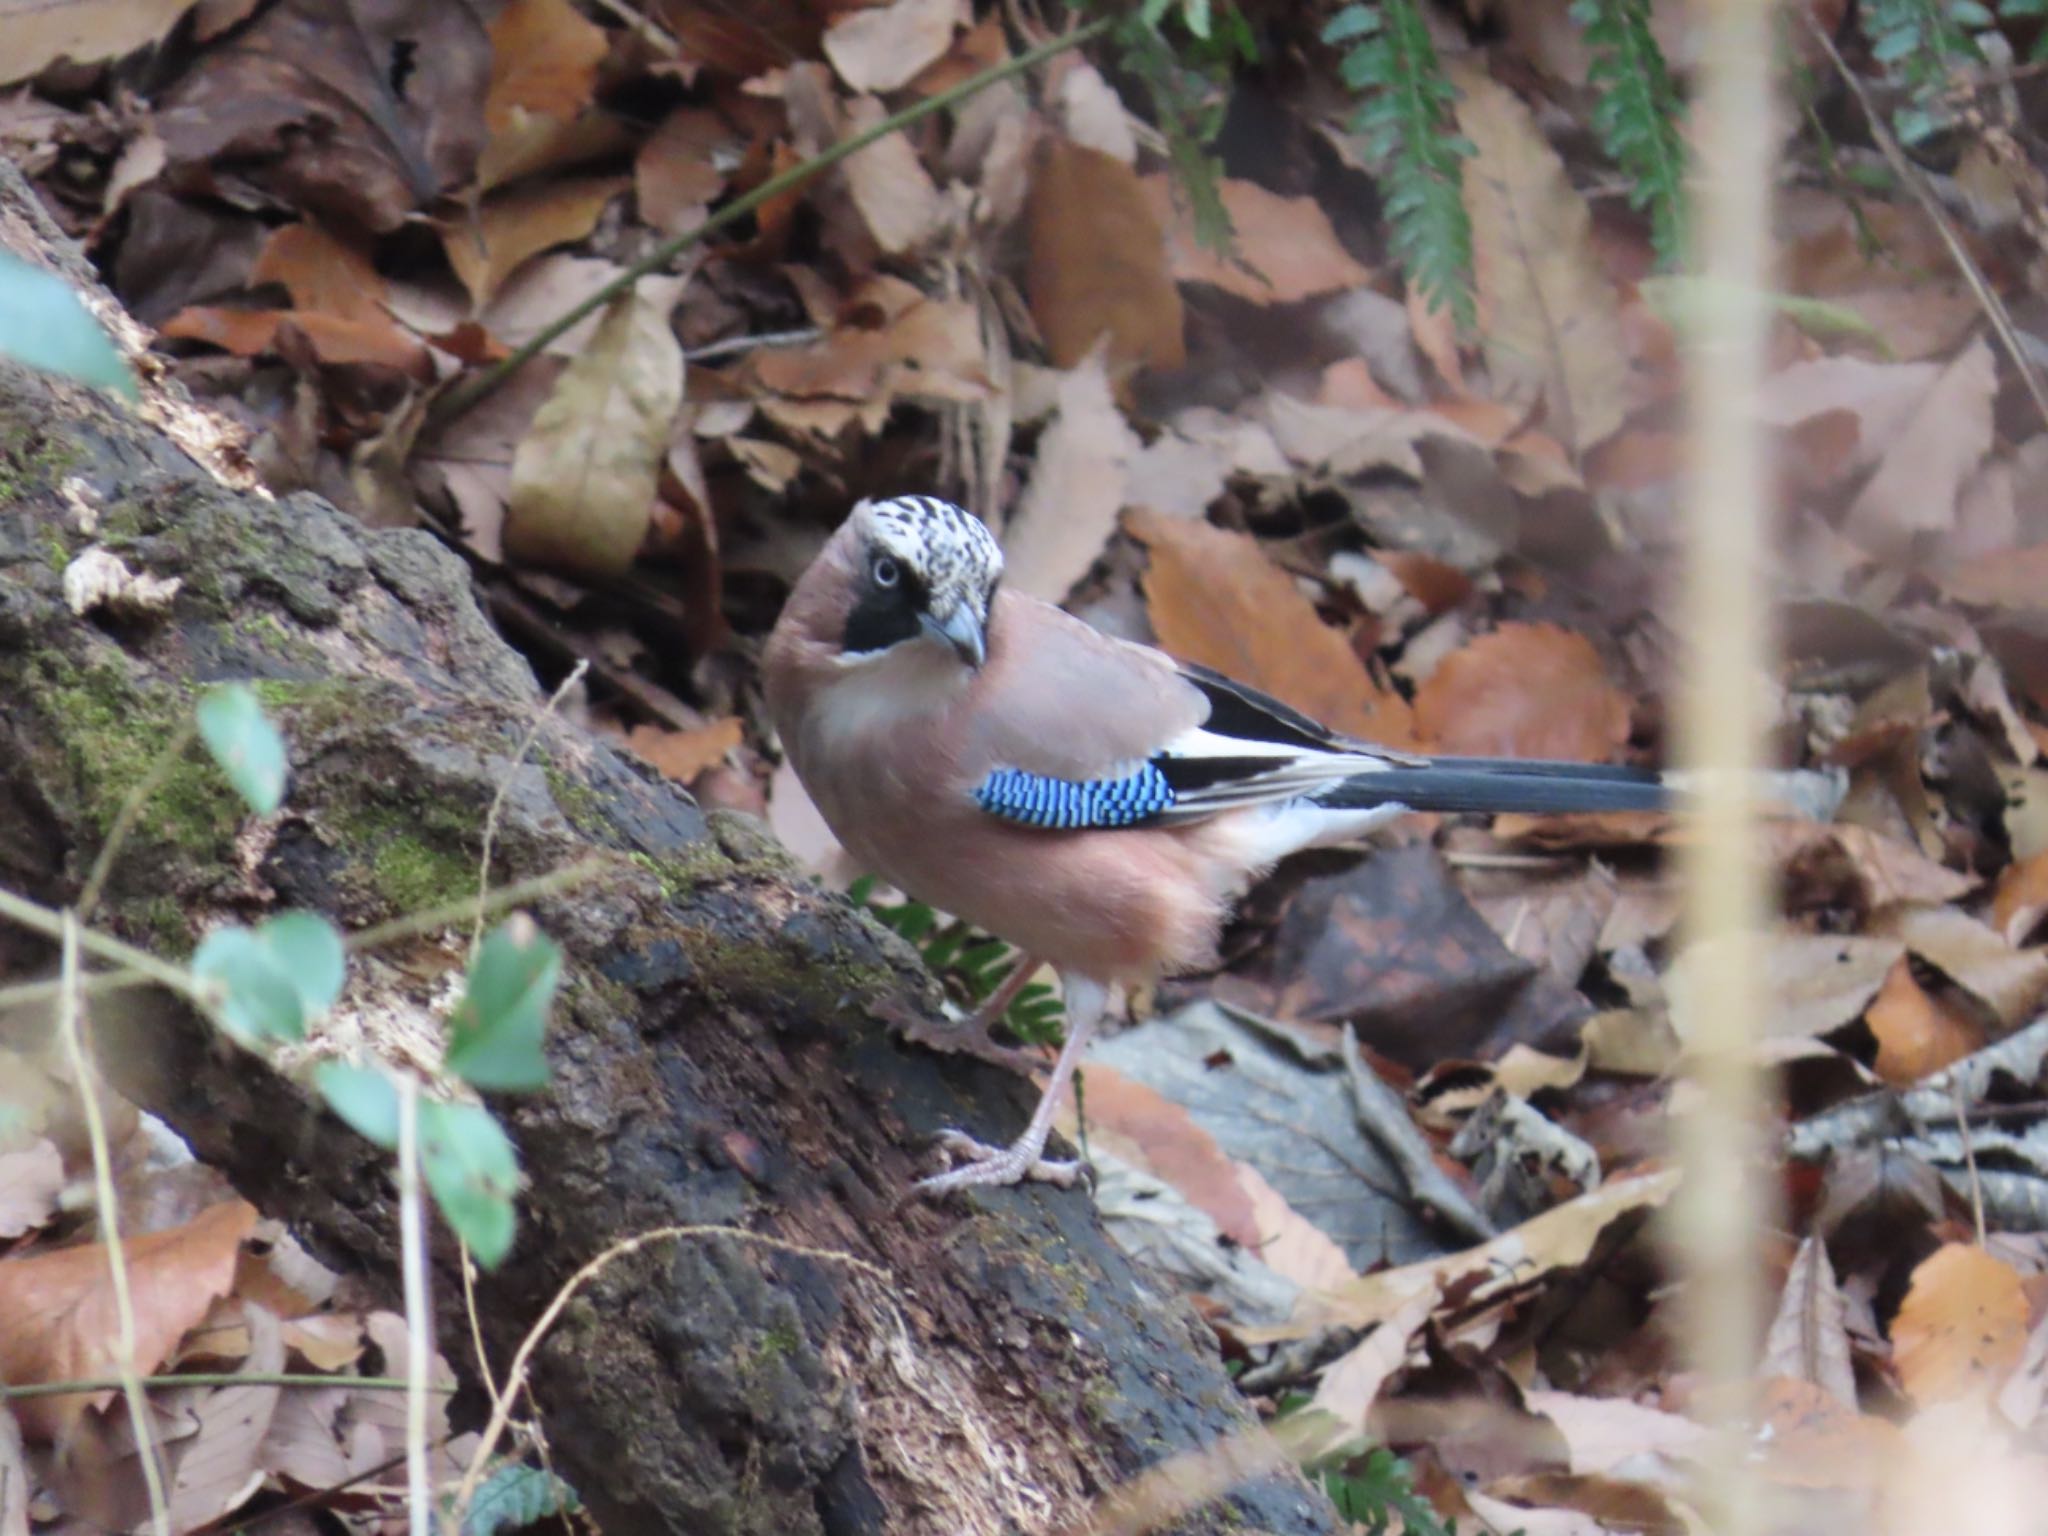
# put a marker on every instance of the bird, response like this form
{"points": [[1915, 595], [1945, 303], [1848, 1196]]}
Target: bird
{"points": [[1094, 802]]}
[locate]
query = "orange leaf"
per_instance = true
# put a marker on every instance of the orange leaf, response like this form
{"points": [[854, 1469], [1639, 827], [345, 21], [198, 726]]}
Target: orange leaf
{"points": [[1962, 1326], [674, 175], [1916, 1033], [1215, 598], [57, 1318], [544, 59], [1171, 1145], [1526, 690], [523, 222], [682, 755], [323, 275], [2021, 898], [1098, 262], [1285, 248], [254, 332]]}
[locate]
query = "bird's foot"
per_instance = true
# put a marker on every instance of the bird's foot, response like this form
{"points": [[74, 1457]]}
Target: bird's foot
{"points": [[985, 1164], [968, 1034]]}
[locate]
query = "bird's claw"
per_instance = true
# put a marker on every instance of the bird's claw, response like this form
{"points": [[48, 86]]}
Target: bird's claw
{"points": [[997, 1165]]}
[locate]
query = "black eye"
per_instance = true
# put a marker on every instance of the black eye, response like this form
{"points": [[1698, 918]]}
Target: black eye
{"points": [[885, 571]]}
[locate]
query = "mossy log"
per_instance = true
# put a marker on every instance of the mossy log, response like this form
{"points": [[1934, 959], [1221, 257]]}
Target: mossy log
{"points": [[718, 1051]]}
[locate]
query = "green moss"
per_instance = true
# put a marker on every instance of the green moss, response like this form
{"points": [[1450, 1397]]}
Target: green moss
{"points": [[312, 707], [112, 731], [31, 462], [583, 806], [679, 874], [413, 858]]}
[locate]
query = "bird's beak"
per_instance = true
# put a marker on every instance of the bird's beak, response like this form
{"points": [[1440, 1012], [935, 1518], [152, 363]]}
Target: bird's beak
{"points": [[961, 629]]}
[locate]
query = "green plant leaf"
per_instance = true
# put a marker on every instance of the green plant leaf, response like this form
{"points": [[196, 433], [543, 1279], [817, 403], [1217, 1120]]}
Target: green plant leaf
{"points": [[245, 744], [515, 1496], [309, 949], [45, 324], [364, 1097], [259, 1002], [495, 1032], [470, 1166]]}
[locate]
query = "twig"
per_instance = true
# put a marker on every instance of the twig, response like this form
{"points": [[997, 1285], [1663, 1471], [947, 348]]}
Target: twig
{"points": [[51, 923], [467, 394], [419, 1354], [110, 1224], [214, 1379], [124, 819], [517, 893], [483, 871], [515, 1378], [1916, 183], [712, 350]]}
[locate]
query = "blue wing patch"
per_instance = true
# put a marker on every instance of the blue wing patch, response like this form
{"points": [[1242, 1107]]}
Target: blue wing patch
{"points": [[1071, 804]]}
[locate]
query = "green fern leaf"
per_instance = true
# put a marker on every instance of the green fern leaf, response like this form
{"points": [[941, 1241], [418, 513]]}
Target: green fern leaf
{"points": [[1639, 115], [1924, 46]]}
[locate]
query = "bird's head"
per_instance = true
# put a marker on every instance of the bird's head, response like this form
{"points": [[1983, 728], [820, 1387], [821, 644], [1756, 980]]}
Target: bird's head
{"points": [[924, 571]]}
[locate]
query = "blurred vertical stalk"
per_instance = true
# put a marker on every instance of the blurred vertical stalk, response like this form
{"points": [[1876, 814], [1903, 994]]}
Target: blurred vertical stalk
{"points": [[1724, 1209]]}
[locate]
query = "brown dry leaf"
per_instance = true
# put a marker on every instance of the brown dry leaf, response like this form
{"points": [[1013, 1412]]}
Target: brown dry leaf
{"points": [[254, 333], [1916, 1033], [1165, 1140], [1291, 1245], [467, 466], [1926, 462], [522, 222], [31, 1179], [219, 1466], [323, 274], [1976, 957], [584, 477], [544, 62], [891, 190], [1809, 1337], [1352, 1383], [57, 1320], [1077, 487], [1554, 320], [883, 47], [1808, 1438], [677, 172], [1559, 1238], [40, 32], [1815, 982], [1214, 598], [313, 1443], [682, 755], [1526, 690], [2020, 899], [1089, 111], [1098, 263], [1285, 248], [1962, 1326], [327, 1341], [1611, 1435], [1886, 870]]}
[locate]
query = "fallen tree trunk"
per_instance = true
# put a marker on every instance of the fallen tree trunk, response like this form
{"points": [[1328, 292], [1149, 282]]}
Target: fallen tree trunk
{"points": [[717, 1053]]}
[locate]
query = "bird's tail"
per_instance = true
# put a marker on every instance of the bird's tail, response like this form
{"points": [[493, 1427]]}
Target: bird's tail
{"points": [[1500, 784]]}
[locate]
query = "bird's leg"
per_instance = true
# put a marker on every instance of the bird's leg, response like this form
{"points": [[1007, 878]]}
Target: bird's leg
{"points": [[1023, 1158], [970, 1034]]}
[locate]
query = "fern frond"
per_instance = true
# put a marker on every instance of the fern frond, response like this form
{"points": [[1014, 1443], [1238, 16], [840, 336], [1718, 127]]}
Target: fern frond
{"points": [[1923, 45], [1639, 115], [1405, 120]]}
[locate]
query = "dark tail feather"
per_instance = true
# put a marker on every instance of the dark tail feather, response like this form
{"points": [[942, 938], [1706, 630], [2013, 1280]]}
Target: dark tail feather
{"points": [[1501, 784]]}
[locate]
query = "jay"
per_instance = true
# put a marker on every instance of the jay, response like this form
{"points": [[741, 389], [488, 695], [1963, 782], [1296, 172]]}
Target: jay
{"points": [[1093, 802]]}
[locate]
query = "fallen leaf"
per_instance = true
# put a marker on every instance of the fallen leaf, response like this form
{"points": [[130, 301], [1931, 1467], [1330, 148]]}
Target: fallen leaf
{"points": [[1976, 957], [1916, 1033], [1554, 327], [1171, 1146], [1809, 1337], [1925, 464], [2021, 898], [323, 274], [584, 477], [57, 1315], [682, 755], [1611, 1435], [1815, 983], [544, 62], [678, 171], [1098, 263], [1284, 250], [255, 333], [31, 1179], [1090, 112], [1526, 690], [522, 222], [1962, 1326], [466, 466], [1807, 1437], [1077, 487], [883, 47], [40, 33], [1352, 1383], [1214, 598], [217, 1468], [891, 190], [1290, 1244]]}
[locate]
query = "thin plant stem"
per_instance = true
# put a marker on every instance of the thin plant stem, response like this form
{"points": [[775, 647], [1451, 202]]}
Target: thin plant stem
{"points": [[50, 922], [68, 1028], [483, 870], [124, 819], [516, 894], [465, 395], [412, 1230], [213, 1379]]}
